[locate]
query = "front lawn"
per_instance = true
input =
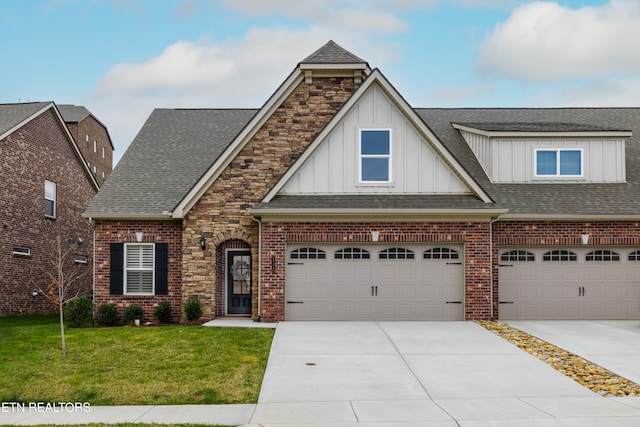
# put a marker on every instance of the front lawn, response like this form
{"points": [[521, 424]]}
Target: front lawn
{"points": [[130, 365]]}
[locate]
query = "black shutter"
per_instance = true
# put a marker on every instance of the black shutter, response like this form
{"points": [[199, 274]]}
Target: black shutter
{"points": [[116, 275], [161, 273]]}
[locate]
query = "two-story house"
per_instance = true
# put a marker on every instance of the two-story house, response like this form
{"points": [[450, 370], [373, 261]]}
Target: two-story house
{"points": [[46, 185], [339, 200], [92, 138]]}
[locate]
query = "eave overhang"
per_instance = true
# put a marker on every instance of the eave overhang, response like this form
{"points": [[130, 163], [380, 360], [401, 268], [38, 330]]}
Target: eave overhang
{"points": [[383, 215], [545, 134]]}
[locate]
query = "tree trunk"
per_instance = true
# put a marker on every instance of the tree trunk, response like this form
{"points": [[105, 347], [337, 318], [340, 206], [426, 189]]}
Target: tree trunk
{"points": [[61, 309]]}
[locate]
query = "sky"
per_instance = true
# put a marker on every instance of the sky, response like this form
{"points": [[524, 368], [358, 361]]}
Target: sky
{"points": [[123, 58]]}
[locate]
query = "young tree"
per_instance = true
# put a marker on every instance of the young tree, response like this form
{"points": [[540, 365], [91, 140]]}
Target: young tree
{"points": [[65, 282]]}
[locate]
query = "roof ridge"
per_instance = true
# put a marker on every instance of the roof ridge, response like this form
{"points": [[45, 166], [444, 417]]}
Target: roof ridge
{"points": [[332, 53]]}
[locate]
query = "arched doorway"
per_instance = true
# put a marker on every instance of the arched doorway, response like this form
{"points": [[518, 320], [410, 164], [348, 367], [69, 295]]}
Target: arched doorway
{"points": [[234, 278]]}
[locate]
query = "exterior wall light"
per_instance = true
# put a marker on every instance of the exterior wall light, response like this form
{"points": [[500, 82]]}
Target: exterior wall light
{"points": [[203, 243]]}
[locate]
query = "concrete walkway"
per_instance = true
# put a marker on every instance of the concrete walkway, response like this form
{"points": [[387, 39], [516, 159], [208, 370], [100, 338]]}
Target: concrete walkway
{"points": [[390, 374]]}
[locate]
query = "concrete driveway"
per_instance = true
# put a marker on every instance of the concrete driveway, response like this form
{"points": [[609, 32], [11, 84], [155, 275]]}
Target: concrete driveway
{"points": [[420, 373], [612, 344]]}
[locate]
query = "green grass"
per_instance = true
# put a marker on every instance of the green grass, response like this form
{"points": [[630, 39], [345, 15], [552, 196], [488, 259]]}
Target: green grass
{"points": [[130, 365]]}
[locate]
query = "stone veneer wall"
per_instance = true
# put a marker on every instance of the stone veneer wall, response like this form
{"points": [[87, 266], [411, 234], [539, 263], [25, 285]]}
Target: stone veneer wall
{"points": [[107, 232], [548, 233], [474, 235], [221, 213]]}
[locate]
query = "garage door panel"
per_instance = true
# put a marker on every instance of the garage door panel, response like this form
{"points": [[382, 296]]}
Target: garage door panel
{"points": [[389, 288], [580, 283]]}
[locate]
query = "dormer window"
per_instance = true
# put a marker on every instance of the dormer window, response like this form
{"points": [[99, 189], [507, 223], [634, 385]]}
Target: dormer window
{"points": [[558, 162], [375, 156]]}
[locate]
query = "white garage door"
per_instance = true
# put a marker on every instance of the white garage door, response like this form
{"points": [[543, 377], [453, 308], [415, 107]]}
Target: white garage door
{"points": [[570, 283], [366, 282]]}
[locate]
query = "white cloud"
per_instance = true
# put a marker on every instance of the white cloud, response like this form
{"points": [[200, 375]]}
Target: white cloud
{"points": [[606, 92], [234, 73], [544, 42]]}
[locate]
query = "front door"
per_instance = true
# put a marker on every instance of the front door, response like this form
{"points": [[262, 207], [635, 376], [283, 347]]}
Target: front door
{"points": [[239, 282]]}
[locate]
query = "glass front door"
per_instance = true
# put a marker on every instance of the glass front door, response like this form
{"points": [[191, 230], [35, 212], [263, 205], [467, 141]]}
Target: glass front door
{"points": [[239, 282]]}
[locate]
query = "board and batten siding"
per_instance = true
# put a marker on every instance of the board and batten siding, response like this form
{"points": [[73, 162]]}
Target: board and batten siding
{"points": [[333, 167], [511, 160]]}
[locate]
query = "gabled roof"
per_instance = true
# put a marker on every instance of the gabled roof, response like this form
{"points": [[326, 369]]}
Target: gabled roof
{"points": [[172, 151], [14, 116], [178, 154], [77, 113], [332, 53], [376, 77], [544, 200]]}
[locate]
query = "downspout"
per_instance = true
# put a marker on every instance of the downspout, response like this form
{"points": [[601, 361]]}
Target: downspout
{"points": [[259, 264]]}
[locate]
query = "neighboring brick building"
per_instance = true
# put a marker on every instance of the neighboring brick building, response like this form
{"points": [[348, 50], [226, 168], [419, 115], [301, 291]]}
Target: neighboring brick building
{"points": [[92, 138], [46, 186], [338, 200]]}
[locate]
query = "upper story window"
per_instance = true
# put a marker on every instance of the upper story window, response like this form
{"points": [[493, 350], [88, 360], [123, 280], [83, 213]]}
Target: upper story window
{"points": [[95, 146], [49, 199], [104, 152], [375, 156], [558, 162], [138, 268]]}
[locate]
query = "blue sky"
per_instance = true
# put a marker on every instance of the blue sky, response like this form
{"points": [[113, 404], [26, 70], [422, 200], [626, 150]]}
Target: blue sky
{"points": [[123, 58]]}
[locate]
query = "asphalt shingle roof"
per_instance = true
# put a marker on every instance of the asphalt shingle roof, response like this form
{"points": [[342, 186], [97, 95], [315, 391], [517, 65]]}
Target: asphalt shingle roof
{"points": [[73, 113], [12, 114], [172, 151], [332, 53], [548, 199]]}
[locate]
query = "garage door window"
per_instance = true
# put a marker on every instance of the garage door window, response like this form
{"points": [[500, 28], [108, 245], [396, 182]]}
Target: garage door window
{"points": [[352, 253], [634, 256], [560, 255], [518, 255], [441, 253], [602, 255], [308, 253], [396, 253]]}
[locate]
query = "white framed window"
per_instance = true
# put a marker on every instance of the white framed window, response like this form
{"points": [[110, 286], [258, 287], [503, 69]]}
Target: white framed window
{"points": [[558, 162], [139, 268], [19, 250], [49, 199], [103, 177], [375, 152], [104, 152], [95, 146]]}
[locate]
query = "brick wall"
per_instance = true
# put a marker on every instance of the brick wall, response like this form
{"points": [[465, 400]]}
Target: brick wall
{"points": [[474, 236], [107, 232], [85, 133], [221, 213], [36, 152]]}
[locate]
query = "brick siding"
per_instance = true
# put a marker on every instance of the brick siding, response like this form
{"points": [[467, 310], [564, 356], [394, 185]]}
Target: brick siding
{"points": [[107, 232], [39, 151], [474, 236]]}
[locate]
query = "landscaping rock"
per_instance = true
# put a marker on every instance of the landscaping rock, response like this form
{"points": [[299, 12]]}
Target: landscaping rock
{"points": [[592, 376]]}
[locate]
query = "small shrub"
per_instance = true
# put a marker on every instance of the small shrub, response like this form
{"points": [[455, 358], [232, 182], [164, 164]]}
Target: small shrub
{"points": [[193, 309], [79, 312], [107, 314], [133, 311], [162, 312]]}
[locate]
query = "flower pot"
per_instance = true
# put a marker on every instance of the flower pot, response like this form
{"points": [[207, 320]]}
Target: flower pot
{"points": [[136, 322]]}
